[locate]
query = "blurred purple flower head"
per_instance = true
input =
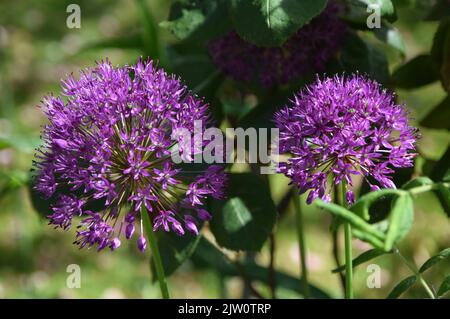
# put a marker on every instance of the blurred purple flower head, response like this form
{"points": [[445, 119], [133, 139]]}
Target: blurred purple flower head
{"points": [[307, 50], [343, 126], [108, 145]]}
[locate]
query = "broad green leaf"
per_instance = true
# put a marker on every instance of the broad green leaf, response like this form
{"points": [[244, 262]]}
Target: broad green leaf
{"points": [[440, 52], [401, 287], [352, 218], [175, 250], [405, 76], [198, 20], [361, 259], [360, 56], [246, 219], [416, 182], [442, 255], [185, 24], [391, 36], [400, 220], [272, 22], [439, 117], [445, 287]]}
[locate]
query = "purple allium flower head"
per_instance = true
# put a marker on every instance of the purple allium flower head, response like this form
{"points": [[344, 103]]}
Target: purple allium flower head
{"points": [[343, 126], [307, 50], [108, 145]]}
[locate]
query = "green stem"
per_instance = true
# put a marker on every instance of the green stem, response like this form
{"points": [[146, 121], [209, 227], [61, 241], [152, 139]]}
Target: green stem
{"points": [[301, 246], [426, 188], [348, 261], [419, 276], [348, 248], [156, 257]]}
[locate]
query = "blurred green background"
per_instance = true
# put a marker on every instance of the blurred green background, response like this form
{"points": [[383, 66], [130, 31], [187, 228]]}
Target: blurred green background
{"points": [[37, 49]]}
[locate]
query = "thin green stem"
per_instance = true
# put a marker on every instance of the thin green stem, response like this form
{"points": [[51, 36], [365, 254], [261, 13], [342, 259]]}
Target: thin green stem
{"points": [[416, 272], [348, 261], [348, 248], [301, 246], [426, 188], [156, 257]]}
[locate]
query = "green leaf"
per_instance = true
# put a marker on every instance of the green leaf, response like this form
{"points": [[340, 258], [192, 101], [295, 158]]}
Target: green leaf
{"points": [[445, 287], [363, 204], [442, 255], [360, 56], [357, 222], [272, 22], [438, 117], [175, 250], [417, 182], [246, 219], [198, 20], [401, 287], [368, 238], [185, 24], [361, 259], [391, 36], [400, 220], [405, 76], [440, 52]]}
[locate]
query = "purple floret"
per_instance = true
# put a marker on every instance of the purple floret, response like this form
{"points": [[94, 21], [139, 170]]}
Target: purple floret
{"points": [[343, 126], [110, 140]]}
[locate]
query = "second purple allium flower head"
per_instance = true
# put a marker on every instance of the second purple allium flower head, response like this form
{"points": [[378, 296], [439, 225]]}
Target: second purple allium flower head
{"points": [[111, 142], [309, 49], [343, 126]]}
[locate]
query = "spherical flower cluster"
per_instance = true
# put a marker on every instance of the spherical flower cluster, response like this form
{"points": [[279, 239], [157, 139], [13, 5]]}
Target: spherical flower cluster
{"points": [[307, 50], [107, 153], [343, 126]]}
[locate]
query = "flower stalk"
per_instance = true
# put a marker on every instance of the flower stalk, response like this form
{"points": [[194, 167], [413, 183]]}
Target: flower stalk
{"points": [[156, 257], [301, 246], [348, 248]]}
